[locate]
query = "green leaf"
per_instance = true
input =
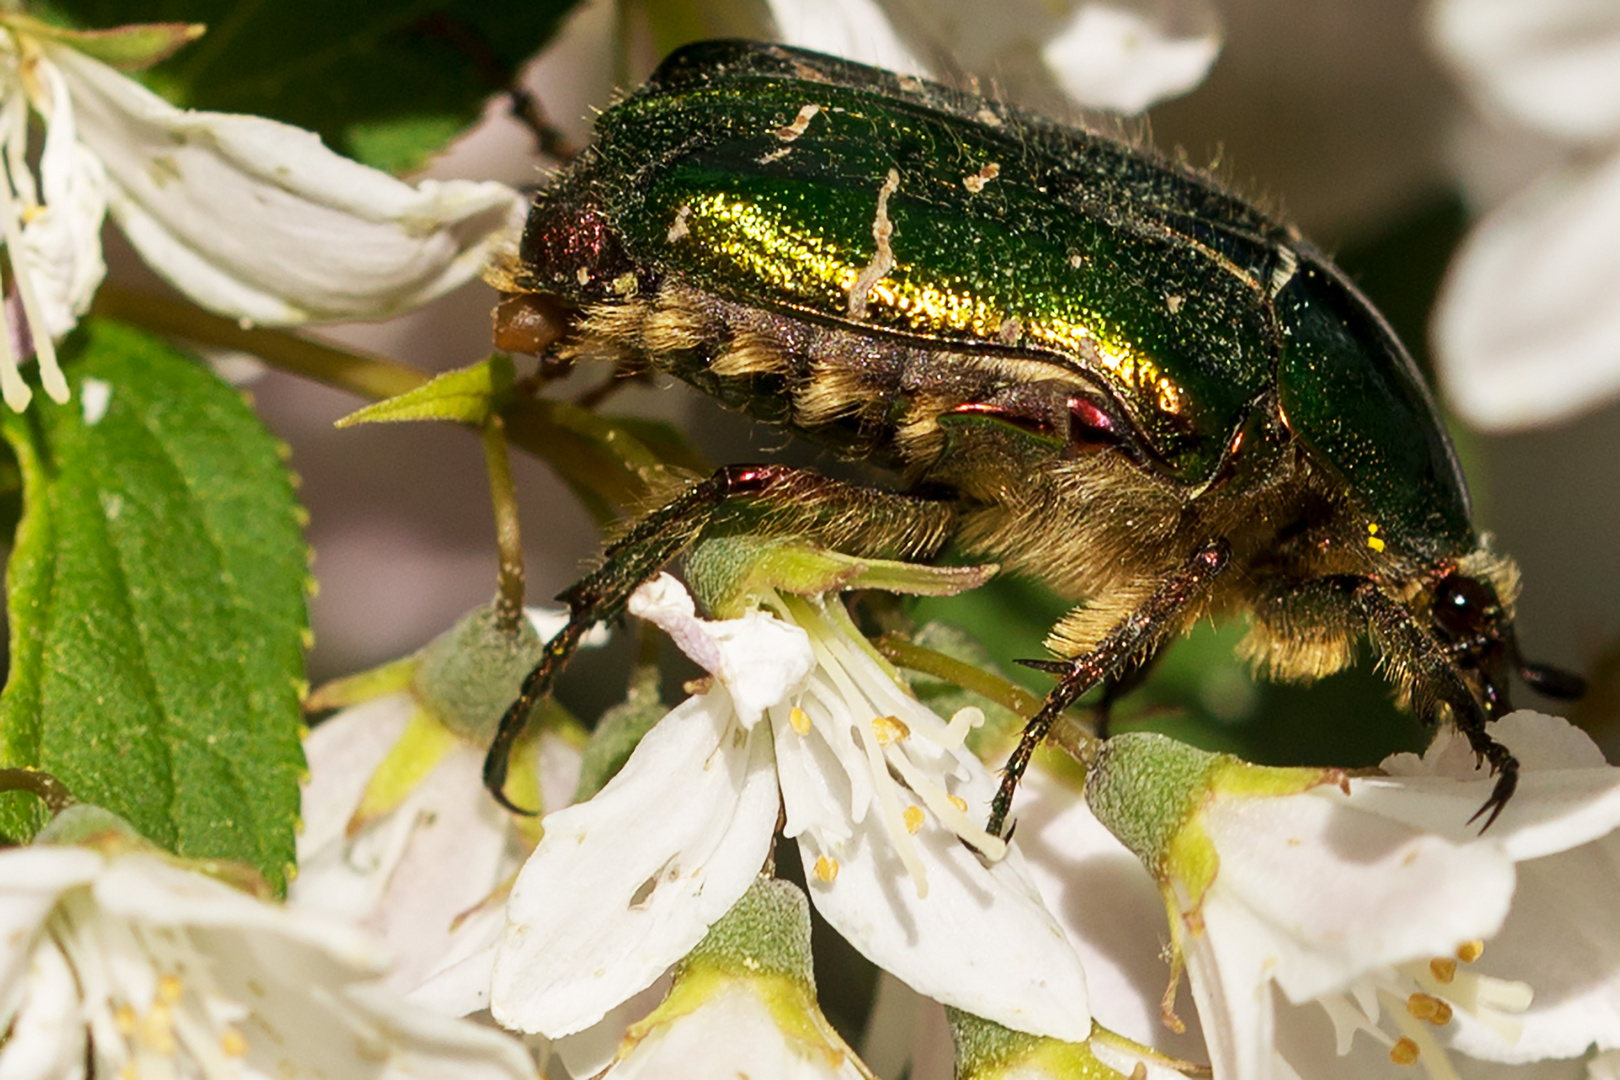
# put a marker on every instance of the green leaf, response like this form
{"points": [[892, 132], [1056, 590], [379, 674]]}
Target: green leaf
{"points": [[467, 395], [387, 83], [156, 600]]}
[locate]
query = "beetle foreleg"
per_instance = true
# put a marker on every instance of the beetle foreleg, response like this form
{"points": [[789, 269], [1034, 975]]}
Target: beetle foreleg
{"points": [[1138, 634], [781, 500], [1435, 674]]}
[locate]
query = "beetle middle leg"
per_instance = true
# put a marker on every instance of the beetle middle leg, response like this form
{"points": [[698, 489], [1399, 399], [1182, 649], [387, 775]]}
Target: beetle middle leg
{"points": [[775, 500], [1136, 635]]}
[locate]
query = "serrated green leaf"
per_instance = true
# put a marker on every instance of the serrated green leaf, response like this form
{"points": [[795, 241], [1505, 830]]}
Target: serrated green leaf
{"points": [[156, 599], [467, 395], [420, 70]]}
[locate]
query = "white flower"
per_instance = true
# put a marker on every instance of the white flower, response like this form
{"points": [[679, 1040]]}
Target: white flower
{"points": [[251, 218], [400, 837], [735, 1027], [118, 962], [1526, 326], [1121, 55], [1376, 903], [424, 872], [879, 792], [743, 1004]]}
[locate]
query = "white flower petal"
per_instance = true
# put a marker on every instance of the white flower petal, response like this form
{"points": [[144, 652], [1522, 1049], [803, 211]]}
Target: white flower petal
{"points": [[588, 1052], [624, 885], [1321, 891], [31, 880], [45, 1035], [759, 658], [146, 888], [733, 1033], [1553, 64], [1563, 939], [461, 848], [342, 753], [460, 984], [981, 940], [854, 29], [1527, 320], [174, 973], [61, 240], [1109, 57], [1567, 796], [440, 1048], [1110, 909], [257, 220]]}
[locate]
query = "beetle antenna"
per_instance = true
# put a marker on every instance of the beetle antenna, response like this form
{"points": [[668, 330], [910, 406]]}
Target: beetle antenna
{"points": [[1553, 682]]}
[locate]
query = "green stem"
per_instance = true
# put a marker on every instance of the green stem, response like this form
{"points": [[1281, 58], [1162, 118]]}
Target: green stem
{"points": [[508, 533], [47, 788], [908, 654], [368, 376]]}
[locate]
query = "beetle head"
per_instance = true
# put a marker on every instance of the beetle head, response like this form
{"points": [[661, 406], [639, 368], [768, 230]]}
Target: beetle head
{"points": [[1470, 618]]}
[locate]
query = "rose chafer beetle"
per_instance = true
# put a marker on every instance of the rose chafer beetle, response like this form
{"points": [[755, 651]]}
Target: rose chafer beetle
{"points": [[1087, 363]]}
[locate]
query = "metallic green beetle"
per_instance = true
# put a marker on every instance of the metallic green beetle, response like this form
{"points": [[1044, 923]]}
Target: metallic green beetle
{"points": [[1085, 362]]}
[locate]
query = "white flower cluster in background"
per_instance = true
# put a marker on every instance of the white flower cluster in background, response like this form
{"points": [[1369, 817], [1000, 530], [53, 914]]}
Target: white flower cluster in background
{"points": [[1526, 328], [120, 962]]}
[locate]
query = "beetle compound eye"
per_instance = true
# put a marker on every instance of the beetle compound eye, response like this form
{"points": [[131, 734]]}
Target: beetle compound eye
{"points": [[1463, 607], [1090, 427]]}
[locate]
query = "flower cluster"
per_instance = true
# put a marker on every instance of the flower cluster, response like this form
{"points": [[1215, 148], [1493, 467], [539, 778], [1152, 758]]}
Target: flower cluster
{"points": [[654, 917], [1525, 330]]}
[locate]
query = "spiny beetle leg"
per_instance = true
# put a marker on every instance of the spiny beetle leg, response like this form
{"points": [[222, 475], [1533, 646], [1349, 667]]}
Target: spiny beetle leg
{"points": [[1139, 633], [792, 501], [1438, 678]]}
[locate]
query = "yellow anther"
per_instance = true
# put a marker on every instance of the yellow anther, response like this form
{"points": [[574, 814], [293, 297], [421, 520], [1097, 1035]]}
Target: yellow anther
{"points": [[126, 1071], [232, 1042], [1444, 969], [826, 869], [800, 720], [913, 818], [958, 802], [1469, 951], [170, 989], [156, 1032], [124, 1018], [1404, 1052], [889, 729], [1430, 1008], [1372, 537]]}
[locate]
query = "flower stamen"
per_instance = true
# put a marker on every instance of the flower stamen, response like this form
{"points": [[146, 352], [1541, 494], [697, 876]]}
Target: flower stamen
{"points": [[899, 753], [1420, 997]]}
